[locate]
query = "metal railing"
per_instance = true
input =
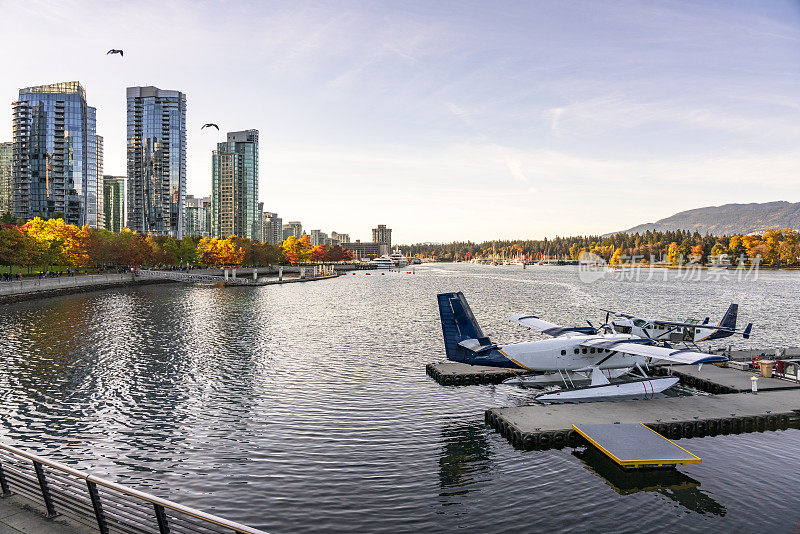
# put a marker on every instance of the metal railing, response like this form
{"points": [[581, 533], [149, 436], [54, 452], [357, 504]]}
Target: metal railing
{"points": [[100, 504], [179, 276]]}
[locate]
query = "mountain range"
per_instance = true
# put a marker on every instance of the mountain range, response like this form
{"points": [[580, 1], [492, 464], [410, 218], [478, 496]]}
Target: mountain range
{"points": [[729, 219]]}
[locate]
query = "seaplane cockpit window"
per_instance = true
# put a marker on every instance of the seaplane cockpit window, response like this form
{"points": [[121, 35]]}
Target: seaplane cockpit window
{"points": [[649, 326], [638, 322]]}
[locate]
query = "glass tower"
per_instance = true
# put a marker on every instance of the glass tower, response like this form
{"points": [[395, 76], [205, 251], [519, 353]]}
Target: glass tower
{"points": [[198, 217], [234, 187], [272, 228], [6, 178], [55, 165], [114, 202], [156, 161]]}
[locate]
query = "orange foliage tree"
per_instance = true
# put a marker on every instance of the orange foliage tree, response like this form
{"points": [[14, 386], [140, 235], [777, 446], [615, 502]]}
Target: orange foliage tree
{"points": [[297, 250]]}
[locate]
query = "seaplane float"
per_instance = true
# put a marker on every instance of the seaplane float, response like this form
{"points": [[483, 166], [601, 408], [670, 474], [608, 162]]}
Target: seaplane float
{"points": [[584, 359]]}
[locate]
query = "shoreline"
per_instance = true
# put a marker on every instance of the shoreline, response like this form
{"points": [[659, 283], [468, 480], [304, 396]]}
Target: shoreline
{"points": [[32, 289]]}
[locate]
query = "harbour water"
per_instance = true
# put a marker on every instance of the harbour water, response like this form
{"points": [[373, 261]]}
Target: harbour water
{"points": [[307, 407]]}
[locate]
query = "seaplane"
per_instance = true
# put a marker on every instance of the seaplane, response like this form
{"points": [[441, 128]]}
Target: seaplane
{"points": [[574, 354], [689, 331]]}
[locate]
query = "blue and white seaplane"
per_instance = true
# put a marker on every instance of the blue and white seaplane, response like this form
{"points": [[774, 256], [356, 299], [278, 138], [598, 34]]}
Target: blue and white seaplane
{"points": [[574, 355], [689, 331]]}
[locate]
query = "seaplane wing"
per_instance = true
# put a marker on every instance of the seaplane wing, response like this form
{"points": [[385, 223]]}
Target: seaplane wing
{"points": [[651, 351], [618, 314], [551, 329]]}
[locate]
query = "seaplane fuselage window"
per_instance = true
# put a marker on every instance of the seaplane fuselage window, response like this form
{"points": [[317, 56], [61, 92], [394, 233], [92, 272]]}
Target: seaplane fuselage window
{"points": [[563, 353], [577, 351], [591, 350], [583, 350]]}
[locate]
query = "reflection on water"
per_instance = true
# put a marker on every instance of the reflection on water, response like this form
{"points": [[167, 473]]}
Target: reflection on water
{"points": [[465, 453], [306, 406], [671, 483]]}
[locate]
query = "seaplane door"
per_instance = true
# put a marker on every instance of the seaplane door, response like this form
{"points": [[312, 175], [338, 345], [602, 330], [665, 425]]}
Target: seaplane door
{"points": [[688, 333]]}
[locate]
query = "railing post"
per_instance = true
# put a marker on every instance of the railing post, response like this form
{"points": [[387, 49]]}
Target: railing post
{"points": [[48, 500], [98, 507], [4, 483], [161, 517]]}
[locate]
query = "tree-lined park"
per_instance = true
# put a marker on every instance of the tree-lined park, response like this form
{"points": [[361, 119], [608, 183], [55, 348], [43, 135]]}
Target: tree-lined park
{"points": [[42, 243]]}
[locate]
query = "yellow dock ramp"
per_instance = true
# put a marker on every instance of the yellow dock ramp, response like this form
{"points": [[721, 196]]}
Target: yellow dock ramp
{"points": [[635, 445]]}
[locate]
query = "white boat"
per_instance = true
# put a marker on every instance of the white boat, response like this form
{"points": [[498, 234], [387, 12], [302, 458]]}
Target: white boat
{"points": [[636, 389], [384, 262], [398, 259]]}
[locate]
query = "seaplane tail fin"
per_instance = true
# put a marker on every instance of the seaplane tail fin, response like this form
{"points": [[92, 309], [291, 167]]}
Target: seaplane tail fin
{"points": [[458, 324], [746, 333], [729, 319]]}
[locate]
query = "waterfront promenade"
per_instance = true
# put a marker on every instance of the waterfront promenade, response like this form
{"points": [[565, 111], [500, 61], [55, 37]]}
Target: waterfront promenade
{"points": [[29, 288], [19, 515], [36, 287]]}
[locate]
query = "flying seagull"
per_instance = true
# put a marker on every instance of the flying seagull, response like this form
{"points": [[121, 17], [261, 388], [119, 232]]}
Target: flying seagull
{"points": [[210, 124], [115, 51]]}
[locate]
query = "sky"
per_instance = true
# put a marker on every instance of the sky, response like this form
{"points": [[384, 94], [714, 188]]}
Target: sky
{"points": [[448, 120]]}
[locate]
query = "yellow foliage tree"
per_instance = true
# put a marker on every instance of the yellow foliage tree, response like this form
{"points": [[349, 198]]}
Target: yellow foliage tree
{"points": [[212, 251], [297, 250]]}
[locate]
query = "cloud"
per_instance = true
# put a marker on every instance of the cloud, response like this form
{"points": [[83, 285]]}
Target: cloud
{"points": [[614, 112]]}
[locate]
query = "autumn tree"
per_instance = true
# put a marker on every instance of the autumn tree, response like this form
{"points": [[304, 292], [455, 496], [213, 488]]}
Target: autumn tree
{"points": [[297, 250]]}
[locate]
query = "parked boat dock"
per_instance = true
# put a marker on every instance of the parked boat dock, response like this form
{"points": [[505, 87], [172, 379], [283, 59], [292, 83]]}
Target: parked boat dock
{"points": [[731, 408]]}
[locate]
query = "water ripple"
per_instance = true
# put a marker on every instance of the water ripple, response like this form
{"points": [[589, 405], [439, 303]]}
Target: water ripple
{"points": [[307, 407]]}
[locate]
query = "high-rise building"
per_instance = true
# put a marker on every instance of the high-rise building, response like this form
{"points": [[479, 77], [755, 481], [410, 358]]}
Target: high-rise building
{"points": [[272, 228], [382, 235], [6, 178], [156, 161], [339, 238], [292, 229], [261, 222], [114, 202], [55, 167], [100, 184], [198, 217], [318, 237], [234, 186]]}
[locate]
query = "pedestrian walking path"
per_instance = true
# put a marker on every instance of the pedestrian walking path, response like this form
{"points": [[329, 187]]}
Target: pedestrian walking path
{"points": [[21, 516]]}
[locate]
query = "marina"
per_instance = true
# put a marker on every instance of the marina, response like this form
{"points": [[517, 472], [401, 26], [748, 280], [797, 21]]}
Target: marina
{"points": [[264, 405], [732, 408]]}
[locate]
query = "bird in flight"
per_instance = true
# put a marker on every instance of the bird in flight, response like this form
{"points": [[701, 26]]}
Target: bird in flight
{"points": [[210, 124], [115, 51]]}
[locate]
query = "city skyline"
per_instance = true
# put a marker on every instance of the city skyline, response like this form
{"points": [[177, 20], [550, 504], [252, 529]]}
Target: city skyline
{"points": [[441, 124]]}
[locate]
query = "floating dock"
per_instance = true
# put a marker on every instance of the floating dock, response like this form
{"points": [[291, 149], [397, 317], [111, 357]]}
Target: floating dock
{"points": [[462, 374], [546, 426], [730, 409], [725, 379], [635, 446]]}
